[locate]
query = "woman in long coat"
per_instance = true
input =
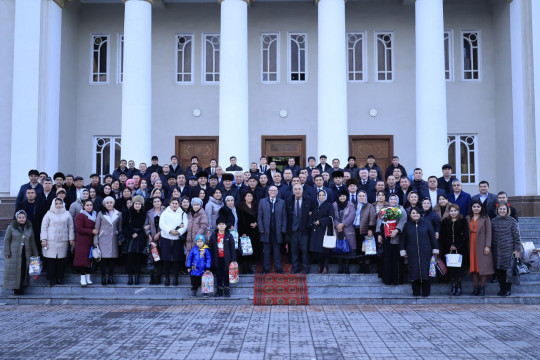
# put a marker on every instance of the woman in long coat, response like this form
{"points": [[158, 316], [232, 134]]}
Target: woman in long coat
{"points": [[173, 224], [364, 224], [198, 224], [151, 226], [321, 224], [391, 263], [481, 260], [57, 233], [134, 238], [454, 238], [344, 214], [417, 244], [505, 243], [77, 206], [108, 226], [85, 222], [212, 208], [19, 246], [247, 227]]}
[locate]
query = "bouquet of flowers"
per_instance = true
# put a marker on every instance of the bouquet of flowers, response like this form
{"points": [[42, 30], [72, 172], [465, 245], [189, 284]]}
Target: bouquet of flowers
{"points": [[390, 213], [390, 217]]}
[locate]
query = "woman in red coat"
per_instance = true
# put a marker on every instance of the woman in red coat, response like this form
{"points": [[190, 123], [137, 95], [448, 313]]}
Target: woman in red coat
{"points": [[84, 225]]}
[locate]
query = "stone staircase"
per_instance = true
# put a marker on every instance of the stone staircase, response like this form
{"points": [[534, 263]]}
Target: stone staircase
{"points": [[330, 289]]}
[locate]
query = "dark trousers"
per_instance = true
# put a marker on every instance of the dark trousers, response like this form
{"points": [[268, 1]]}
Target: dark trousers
{"points": [[55, 269], [274, 246], [133, 263], [24, 269], [107, 264], [501, 276], [168, 265], [424, 286], [299, 245], [222, 274], [195, 282]]}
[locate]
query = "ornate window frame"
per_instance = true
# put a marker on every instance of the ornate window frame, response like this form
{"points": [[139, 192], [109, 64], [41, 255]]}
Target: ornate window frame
{"points": [[268, 39], [180, 56], [99, 78], [292, 40], [356, 37], [387, 39], [210, 39], [466, 39], [465, 171]]}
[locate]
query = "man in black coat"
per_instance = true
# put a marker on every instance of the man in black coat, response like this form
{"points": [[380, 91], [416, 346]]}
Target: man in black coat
{"points": [[489, 200], [337, 183], [272, 222], [351, 167], [371, 165], [391, 186], [445, 181], [395, 164], [121, 169], [319, 185], [404, 189], [433, 192], [291, 164], [323, 165], [503, 197], [35, 212], [227, 188], [367, 185], [233, 166], [33, 176], [48, 194], [418, 184], [298, 208], [155, 167], [175, 168]]}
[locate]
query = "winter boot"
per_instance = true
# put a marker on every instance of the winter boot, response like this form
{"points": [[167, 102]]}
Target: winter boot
{"points": [[175, 280], [227, 292], [193, 293], [111, 280], [340, 269], [88, 280], [167, 281], [103, 280], [453, 289], [152, 281], [83, 281], [130, 279], [219, 292], [136, 280], [458, 289]]}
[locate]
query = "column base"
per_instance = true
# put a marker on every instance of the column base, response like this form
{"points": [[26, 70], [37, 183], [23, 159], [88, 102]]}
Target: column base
{"points": [[527, 206]]}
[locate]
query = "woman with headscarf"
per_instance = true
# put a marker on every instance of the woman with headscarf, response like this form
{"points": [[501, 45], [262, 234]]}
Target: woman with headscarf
{"points": [[57, 233], [247, 227], [321, 219], [108, 226], [134, 238], [212, 208], [417, 244], [198, 223], [19, 246], [85, 222], [151, 226], [344, 214], [173, 223], [505, 244], [77, 206], [391, 263], [364, 223]]}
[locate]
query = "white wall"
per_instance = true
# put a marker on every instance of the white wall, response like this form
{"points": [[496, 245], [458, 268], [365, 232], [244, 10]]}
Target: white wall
{"points": [[7, 28]]}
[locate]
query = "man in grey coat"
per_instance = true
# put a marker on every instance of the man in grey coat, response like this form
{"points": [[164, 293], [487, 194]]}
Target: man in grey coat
{"points": [[272, 222]]}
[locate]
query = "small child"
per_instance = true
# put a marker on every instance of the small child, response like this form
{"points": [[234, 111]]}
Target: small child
{"points": [[198, 262], [223, 253]]}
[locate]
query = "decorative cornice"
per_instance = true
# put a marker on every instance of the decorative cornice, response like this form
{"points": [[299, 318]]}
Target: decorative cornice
{"points": [[149, 1]]}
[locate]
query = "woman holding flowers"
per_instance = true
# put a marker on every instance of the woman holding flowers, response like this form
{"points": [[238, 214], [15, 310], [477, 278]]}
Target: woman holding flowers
{"points": [[388, 235]]}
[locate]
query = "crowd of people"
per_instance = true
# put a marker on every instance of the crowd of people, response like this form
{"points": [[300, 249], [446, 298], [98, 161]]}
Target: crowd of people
{"points": [[194, 217]]}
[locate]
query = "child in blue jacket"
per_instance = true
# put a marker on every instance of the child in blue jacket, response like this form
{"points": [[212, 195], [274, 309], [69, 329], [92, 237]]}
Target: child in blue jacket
{"points": [[198, 262]]}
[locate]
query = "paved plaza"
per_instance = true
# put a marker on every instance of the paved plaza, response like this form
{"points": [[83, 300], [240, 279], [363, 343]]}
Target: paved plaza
{"points": [[248, 332]]}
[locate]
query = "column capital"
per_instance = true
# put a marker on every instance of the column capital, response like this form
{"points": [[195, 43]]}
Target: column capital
{"points": [[149, 1], [246, 1], [60, 3]]}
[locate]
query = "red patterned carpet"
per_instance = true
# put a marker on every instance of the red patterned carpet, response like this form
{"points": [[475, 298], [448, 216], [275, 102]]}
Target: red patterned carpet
{"points": [[280, 289]]}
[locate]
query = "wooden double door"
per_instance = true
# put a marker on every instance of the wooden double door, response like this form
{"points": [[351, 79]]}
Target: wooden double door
{"points": [[205, 148], [380, 146]]}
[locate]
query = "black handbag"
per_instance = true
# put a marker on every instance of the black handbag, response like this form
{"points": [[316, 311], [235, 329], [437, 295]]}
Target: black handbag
{"points": [[520, 268]]}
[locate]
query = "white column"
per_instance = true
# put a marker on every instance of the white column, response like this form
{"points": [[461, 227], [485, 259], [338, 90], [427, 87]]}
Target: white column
{"points": [[332, 126], [535, 14], [233, 84], [25, 103], [50, 89], [523, 98], [431, 123], [137, 84]]}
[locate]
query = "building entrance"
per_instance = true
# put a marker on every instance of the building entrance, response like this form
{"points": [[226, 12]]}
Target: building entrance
{"points": [[281, 148], [380, 146], [204, 147]]}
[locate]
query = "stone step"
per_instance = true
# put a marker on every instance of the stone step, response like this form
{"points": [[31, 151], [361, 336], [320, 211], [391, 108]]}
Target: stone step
{"points": [[432, 299], [529, 226], [529, 220], [342, 290], [530, 234]]}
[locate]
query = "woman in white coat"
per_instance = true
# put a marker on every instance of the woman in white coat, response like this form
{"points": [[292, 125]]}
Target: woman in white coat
{"points": [[57, 233], [173, 224]]}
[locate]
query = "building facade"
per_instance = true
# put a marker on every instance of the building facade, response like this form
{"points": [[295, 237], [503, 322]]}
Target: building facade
{"points": [[85, 82]]}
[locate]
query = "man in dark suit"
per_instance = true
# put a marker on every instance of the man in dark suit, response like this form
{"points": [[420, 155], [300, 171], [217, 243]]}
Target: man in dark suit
{"points": [[460, 197], [263, 167], [272, 222], [445, 181], [211, 170], [367, 185], [33, 176], [433, 192], [404, 189], [174, 167], [272, 170], [181, 183], [298, 208], [337, 183], [227, 187], [155, 167], [254, 171], [352, 188], [233, 166], [391, 187], [319, 185], [291, 164], [503, 197], [311, 165], [418, 184], [371, 165], [351, 167], [489, 200], [395, 164]]}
